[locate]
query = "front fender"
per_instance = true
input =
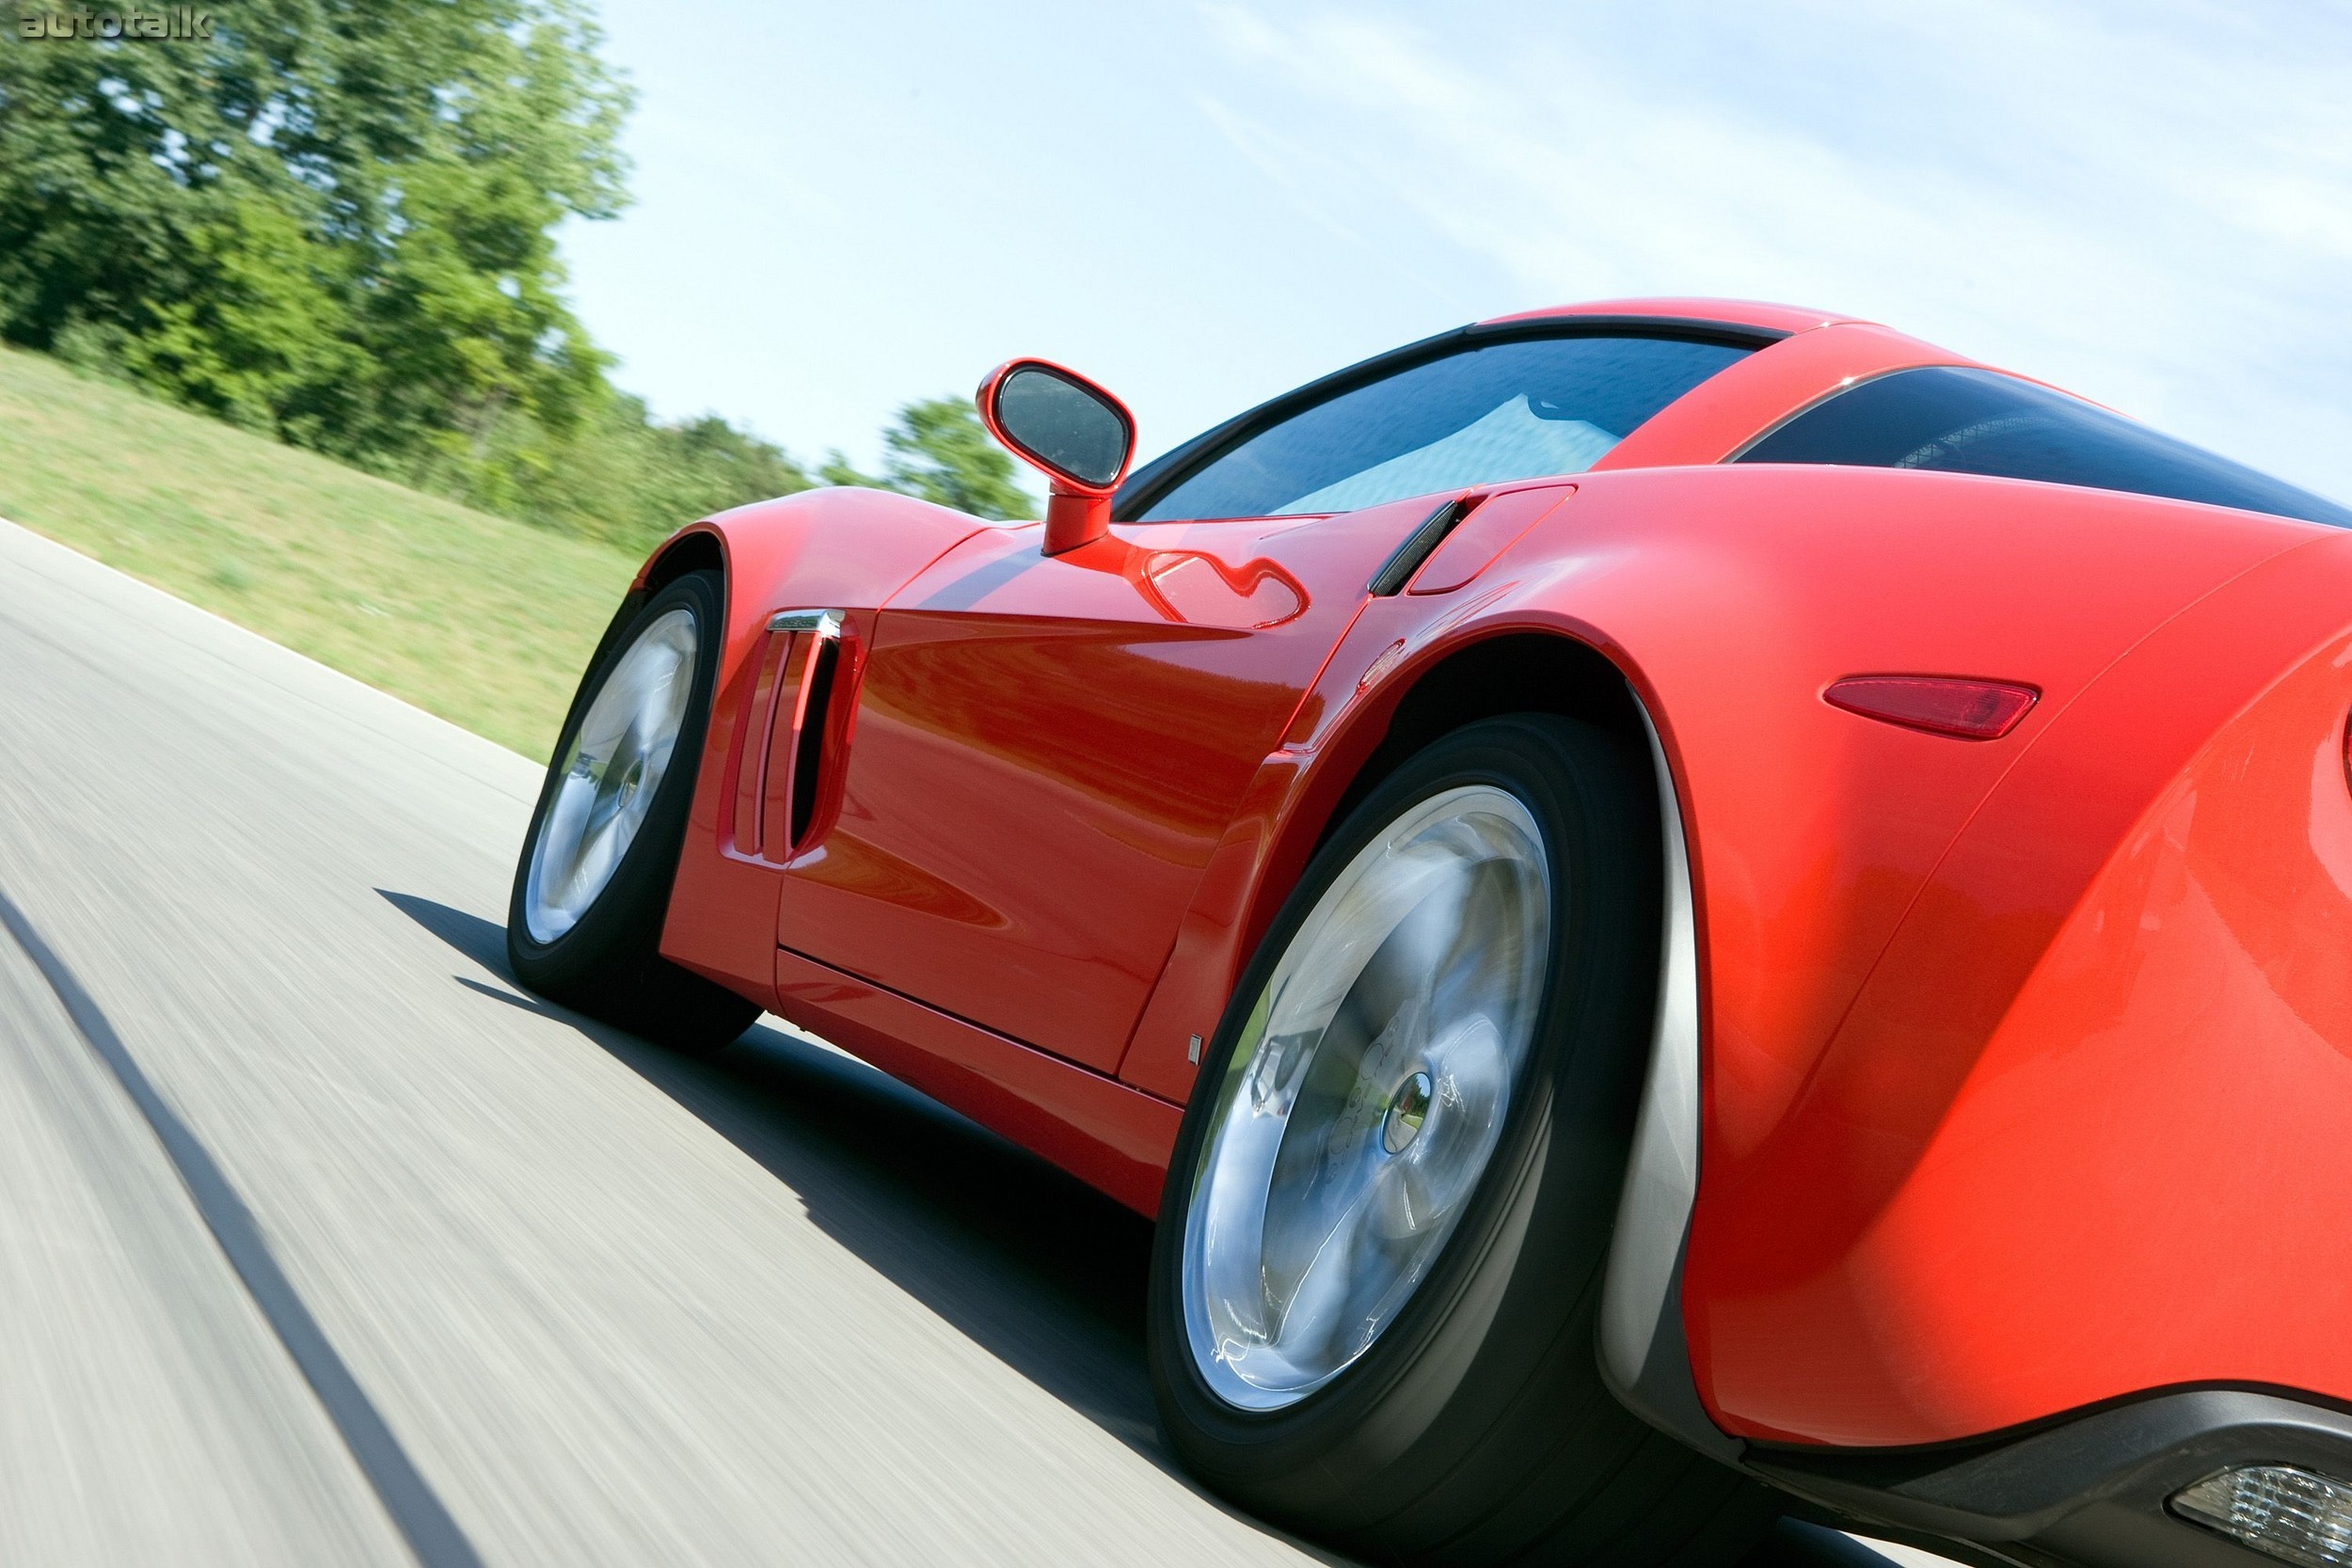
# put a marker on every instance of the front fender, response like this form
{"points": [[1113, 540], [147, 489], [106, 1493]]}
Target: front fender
{"points": [[837, 547], [834, 548]]}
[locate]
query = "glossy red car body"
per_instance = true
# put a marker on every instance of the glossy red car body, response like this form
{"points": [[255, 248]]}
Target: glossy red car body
{"points": [[2026, 1062]]}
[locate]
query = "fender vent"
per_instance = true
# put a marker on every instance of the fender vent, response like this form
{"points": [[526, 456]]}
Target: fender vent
{"points": [[808, 753], [782, 770], [1399, 568]]}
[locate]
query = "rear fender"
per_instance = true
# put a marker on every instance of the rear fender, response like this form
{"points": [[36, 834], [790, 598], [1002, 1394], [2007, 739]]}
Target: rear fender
{"points": [[2074, 1140], [1727, 598]]}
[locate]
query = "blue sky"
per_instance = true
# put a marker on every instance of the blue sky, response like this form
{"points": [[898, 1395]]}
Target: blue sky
{"points": [[844, 206]]}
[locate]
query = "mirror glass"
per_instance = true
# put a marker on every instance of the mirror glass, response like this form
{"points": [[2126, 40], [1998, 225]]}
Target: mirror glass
{"points": [[1062, 425]]}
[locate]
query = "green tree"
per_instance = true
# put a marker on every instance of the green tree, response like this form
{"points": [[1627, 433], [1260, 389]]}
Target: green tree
{"points": [[626, 478], [254, 339], [939, 450], [333, 219]]}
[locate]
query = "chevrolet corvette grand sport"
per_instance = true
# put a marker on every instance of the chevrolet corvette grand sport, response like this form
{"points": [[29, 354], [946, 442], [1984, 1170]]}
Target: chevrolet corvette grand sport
{"points": [[1684, 911]]}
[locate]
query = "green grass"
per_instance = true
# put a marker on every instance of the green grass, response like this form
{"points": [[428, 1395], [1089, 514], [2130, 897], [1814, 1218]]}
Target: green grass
{"points": [[481, 620]]}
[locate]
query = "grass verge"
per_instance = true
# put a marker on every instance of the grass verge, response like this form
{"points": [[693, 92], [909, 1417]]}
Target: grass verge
{"points": [[481, 620]]}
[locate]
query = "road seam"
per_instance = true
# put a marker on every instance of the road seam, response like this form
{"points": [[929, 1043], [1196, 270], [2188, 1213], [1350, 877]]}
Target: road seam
{"points": [[416, 1511]]}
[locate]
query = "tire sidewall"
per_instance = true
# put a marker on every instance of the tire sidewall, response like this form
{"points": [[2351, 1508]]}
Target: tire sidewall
{"points": [[1564, 1142], [626, 914]]}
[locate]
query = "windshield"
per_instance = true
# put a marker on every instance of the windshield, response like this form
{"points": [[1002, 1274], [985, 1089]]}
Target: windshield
{"points": [[1523, 409]]}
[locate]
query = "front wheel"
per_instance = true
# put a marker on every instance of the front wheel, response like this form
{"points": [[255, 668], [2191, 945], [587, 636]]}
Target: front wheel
{"points": [[583, 925], [1379, 1259]]}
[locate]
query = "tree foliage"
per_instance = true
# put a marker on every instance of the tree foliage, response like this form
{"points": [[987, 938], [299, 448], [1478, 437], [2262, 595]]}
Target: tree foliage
{"points": [[331, 218], [939, 450], [333, 221]]}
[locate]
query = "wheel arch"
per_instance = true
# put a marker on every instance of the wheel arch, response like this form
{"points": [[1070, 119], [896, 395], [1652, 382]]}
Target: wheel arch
{"points": [[1503, 671], [694, 548], [1642, 1350], [1644, 1356]]}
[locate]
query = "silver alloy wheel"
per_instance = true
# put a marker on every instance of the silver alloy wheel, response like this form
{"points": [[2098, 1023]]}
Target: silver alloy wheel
{"points": [[1365, 1097], [610, 775]]}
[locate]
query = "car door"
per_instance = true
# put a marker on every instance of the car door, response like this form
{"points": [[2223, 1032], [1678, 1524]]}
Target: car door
{"points": [[1046, 747]]}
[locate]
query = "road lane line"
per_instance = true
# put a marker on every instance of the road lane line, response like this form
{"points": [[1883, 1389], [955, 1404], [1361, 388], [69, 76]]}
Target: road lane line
{"points": [[415, 1511]]}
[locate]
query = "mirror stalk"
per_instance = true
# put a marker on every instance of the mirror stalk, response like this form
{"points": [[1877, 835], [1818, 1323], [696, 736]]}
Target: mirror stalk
{"points": [[1074, 518]]}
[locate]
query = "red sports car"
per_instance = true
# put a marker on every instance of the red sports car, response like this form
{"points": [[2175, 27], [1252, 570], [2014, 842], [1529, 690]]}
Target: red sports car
{"points": [[1683, 909]]}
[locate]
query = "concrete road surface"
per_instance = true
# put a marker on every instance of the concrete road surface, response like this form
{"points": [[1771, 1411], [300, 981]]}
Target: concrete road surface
{"points": [[323, 1243]]}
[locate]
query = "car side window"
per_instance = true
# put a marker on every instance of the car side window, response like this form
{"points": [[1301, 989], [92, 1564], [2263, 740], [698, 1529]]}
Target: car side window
{"points": [[1956, 420], [1525, 408]]}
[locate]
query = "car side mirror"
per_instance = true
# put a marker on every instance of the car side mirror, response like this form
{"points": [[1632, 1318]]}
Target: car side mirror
{"points": [[1078, 436]]}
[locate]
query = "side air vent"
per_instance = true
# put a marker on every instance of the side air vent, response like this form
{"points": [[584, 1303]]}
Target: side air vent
{"points": [[1399, 568], [780, 786], [808, 754]]}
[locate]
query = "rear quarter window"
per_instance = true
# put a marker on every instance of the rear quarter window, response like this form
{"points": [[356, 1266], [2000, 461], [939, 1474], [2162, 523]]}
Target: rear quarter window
{"points": [[1955, 419]]}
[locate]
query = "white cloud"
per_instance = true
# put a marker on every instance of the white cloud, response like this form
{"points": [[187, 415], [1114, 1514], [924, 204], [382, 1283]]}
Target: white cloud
{"points": [[2155, 207]]}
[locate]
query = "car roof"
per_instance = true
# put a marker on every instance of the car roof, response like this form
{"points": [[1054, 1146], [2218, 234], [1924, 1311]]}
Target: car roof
{"points": [[1762, 315]]}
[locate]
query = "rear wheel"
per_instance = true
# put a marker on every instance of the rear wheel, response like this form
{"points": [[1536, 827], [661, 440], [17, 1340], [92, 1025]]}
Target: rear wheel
{"points": [[1379, 1266], [583, 925]]}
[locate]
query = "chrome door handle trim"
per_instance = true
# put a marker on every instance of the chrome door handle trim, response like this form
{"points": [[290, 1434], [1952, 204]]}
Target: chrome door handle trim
{"points": [[824, 622]]}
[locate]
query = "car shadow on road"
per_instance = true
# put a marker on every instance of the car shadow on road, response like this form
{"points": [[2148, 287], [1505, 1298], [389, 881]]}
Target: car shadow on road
{"points": [[1041, 1271], [1032, 1265]]}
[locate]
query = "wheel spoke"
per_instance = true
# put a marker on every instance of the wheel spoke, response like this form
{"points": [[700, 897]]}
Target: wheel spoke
{"points": [[1366, 1098]]}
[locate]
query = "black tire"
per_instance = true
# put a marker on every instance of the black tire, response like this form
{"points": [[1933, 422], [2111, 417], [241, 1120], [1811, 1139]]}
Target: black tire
{"points": [[1476, 1428], [608, 965]]}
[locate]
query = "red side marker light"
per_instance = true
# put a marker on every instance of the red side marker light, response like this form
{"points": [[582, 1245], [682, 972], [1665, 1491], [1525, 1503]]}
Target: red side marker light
{"points": [[1966, 709]]}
